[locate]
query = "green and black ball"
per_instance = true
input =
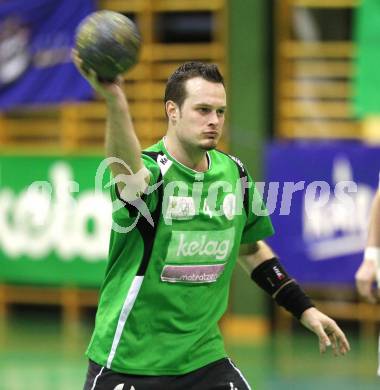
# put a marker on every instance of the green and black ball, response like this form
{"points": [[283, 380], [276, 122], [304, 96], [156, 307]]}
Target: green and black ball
{"points": [[107, 42]]}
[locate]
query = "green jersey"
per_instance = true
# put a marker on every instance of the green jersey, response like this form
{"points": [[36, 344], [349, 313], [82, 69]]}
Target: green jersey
{"points": [[166, 287]]}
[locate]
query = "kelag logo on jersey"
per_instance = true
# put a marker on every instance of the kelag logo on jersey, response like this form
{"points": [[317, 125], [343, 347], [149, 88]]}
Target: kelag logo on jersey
{"points": [[197, 256], [200, 246]]}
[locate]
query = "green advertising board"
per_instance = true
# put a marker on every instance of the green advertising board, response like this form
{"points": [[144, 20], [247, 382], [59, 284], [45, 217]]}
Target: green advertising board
{"points": [[367, 75], [54, 225]]}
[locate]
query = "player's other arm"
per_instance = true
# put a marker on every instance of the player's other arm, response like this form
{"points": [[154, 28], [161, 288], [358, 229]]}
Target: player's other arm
{"points": [[121, 143], [366, 274], [265, 269]]}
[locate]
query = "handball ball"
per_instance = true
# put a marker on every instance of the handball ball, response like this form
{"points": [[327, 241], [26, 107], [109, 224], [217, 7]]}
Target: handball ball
{"points": [[107, 42]]}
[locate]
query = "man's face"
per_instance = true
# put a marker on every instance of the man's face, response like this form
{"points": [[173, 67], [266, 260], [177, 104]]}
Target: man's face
{"points": [[201, 116]]}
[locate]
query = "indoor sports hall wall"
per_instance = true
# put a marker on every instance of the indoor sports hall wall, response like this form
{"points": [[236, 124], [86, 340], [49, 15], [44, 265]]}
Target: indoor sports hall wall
{"points": [[55, 131], [291, 68], [300, 90]]}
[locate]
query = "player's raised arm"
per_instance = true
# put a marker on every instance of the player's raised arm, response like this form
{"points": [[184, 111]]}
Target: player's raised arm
{"points": [[107, 44], [366, 274], [266, 270]]}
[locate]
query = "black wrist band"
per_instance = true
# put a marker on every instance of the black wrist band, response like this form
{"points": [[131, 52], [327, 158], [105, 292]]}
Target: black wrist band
{"points": [[292, 298], [272, 278], [270, 275]]}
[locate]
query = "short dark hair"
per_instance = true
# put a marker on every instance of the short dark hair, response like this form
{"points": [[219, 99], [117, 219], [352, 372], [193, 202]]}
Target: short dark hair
{"points": [[175, 87]]}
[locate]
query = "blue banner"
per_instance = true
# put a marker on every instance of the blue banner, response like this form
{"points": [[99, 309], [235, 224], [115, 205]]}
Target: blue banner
{"points": [[36, 38], [319, 197]]}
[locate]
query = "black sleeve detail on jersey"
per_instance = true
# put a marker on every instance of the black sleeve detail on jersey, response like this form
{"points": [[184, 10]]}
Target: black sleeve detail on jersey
{"points": [[146, 230], [244, 188], [243, 181], [130, 206], [152, 155]]}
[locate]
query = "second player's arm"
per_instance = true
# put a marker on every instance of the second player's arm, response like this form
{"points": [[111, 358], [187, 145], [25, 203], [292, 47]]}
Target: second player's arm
{"points": [[366, 274], [264, 268], [374, 227]]}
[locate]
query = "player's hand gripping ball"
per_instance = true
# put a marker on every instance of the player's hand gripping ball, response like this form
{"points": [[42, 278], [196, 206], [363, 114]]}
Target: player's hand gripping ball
{"points": [[108, 43]]}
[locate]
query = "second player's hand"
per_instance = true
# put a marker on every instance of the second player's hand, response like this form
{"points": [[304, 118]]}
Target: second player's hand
{"points": [[365, 277], [328, 332], [110, 91]]}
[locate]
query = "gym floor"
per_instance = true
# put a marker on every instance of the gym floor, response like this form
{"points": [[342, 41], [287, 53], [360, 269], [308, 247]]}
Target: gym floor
{"points": [[37, 354]]}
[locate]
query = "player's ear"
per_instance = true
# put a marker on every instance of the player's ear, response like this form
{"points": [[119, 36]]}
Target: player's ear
{"points": [[171, 111]]}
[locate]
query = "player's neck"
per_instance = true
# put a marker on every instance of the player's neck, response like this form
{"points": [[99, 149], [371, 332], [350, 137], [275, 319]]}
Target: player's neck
{"points": [[193, 159]]}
